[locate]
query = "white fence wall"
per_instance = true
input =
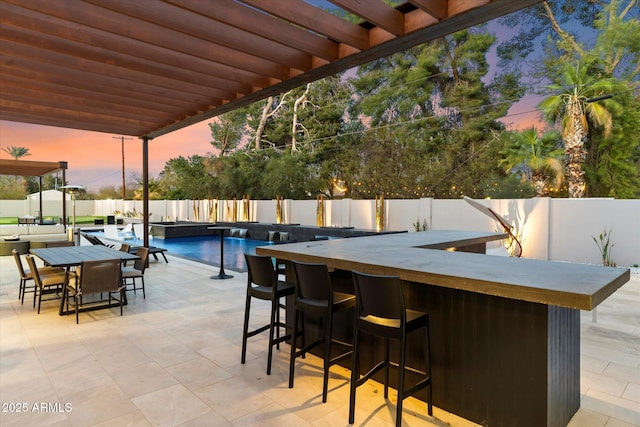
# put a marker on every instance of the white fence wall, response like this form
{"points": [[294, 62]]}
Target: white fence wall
{"points": [[553, 229]]}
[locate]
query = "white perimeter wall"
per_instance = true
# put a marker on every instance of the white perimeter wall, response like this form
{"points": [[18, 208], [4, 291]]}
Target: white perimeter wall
{"points": [[549, 229]]}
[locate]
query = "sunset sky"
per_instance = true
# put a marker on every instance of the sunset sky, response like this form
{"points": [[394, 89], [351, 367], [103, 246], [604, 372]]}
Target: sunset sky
{"points": [[95, 159]]}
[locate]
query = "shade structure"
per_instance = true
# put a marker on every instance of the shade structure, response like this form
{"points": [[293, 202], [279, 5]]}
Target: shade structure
{"points": [[39, 169], [148, 67], [29, 168]]}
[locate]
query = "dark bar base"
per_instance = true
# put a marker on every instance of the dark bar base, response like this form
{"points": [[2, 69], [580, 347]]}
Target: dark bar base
{"points": [[495, 361]]}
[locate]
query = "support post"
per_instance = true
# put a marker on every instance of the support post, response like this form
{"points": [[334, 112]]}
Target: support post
{"points": [[145, 189], [64, 197], [40, 189]]}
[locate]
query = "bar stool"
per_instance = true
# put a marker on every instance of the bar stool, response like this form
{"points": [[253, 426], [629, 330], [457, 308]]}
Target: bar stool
{"points": [[381, 311], [262, 274], [315, 296]]}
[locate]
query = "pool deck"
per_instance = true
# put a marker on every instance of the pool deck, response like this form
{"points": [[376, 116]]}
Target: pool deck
{"points": [[174, 359]]}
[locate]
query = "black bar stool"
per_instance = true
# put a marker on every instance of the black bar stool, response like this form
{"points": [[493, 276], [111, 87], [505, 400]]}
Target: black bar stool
{"points": [[263, 283], [315, 296], [381, 311]]}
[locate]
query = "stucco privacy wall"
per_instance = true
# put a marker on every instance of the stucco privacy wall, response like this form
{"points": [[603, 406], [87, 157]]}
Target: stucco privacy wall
{"points": [[583, 218], [554, 229]]}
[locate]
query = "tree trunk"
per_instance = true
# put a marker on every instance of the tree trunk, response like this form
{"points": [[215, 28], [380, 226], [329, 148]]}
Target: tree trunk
{"points": [[575, 154], [294, 123], [539, 182], [263, 122]]}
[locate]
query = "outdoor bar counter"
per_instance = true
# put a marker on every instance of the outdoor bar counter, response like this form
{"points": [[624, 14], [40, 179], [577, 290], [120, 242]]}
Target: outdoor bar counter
{"points": [[505, 332]]}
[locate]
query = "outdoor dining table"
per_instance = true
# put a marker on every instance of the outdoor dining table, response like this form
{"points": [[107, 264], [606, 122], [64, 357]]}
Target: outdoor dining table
{"points": [[73, 256]]}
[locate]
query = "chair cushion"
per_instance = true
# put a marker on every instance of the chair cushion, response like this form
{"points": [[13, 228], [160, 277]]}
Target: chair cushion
{"points": [[52, 279], [131, 272]]}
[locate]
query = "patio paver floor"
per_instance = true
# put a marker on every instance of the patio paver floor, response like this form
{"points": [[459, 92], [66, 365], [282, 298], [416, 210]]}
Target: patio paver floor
{"points": [[174, 359]]}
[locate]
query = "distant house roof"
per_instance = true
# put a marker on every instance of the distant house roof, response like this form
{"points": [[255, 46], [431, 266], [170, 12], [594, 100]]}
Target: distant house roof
{"points": [[49, 195], [29, 168]]}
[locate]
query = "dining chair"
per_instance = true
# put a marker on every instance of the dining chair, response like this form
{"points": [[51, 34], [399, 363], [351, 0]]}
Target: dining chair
{"points": [[94, 277], [125, 247], [26, 275], [314, 295], [130, 274], [381, 311], [263, 284], [47, 282], [58, 244]]}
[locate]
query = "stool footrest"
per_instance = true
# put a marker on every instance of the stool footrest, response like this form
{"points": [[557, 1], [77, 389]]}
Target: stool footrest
{"points": [[340, 357], [419, 386], [257, 331], [282, 339], [364, 378]]}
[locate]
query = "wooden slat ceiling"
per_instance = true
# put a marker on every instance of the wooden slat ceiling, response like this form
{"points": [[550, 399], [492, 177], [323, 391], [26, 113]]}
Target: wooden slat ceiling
{"points": [[29, 168], [148, 67]]}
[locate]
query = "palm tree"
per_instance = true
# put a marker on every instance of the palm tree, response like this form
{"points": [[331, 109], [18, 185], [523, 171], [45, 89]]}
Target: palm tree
{"points": [[538, 157], [16, 152], [582, 100]]}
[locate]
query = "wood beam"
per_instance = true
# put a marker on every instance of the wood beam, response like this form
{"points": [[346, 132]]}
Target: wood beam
{"points": [[106, 20], [317, 20], [252, 21], [46, 25], [439, 9], [375, 12]]}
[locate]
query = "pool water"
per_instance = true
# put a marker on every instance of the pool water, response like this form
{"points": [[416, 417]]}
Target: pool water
{"points": [[204, 248]]}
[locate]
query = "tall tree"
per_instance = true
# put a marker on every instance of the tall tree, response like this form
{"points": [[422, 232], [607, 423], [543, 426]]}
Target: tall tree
{"points": [[576, 102], [16, 152], [228, 130], [188, 178], [536, 157], [431, 102], [611, 165]]}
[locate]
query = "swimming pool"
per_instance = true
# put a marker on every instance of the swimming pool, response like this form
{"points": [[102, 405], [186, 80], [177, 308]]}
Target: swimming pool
{"points": [[204, 249]]}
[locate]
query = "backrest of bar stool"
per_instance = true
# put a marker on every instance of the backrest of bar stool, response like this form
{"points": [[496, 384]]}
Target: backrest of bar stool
{"points": [[379, 296], [260, 270], [312, 281]]}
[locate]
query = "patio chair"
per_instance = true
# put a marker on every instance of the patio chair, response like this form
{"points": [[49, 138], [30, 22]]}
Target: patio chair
{"points": [[138, 230], [315, 296], [94, 277], [26, 275], [58, 244], [49, 283], [263, 283], [381, 311], [94, 240], [111, 232], [126, 248], [130, 274]]}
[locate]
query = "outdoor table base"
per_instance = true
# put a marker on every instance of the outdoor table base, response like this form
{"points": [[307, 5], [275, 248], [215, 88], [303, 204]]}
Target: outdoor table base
{"points": [[221, 275]]}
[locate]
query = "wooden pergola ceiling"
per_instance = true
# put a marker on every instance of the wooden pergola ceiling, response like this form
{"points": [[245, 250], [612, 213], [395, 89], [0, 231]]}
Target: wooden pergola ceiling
{"points": [[30, 168], [148, 67]]}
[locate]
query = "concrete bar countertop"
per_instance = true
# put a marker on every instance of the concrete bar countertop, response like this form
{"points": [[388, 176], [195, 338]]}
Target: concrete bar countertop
{"points": [[423, 258]]}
